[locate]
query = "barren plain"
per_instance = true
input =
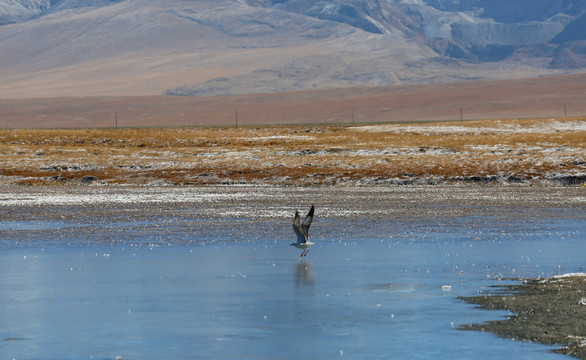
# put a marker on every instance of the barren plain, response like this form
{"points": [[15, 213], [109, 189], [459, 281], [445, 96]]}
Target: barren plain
{"points": [[530, 151], [544, 97]]}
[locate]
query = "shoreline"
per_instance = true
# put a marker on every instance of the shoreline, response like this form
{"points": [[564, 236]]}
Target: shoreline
{"points": [[467, 206], [370, 201], [545, 311]]}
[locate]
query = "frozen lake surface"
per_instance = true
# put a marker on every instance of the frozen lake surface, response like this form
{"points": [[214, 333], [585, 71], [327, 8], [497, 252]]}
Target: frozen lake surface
{"points": [[97, 279]]}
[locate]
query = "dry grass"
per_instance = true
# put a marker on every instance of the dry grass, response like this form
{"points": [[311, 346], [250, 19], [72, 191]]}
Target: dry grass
{"points": [[478, 151]]}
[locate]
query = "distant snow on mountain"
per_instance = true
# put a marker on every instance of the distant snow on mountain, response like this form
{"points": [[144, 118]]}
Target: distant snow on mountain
{"points": [[12, 11]]}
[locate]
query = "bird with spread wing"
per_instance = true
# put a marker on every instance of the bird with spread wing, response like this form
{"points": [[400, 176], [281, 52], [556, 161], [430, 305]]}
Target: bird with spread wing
{"points": [[302, 231]]}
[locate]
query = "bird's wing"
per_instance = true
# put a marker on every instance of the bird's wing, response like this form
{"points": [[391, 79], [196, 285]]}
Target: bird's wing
{"points": [[307, 221], [297, 228]]}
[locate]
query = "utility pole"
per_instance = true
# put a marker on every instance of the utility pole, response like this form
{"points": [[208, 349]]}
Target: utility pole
{"points": [[116, 119], [461, 114], [236, 115], [565, 111], [353, 116]]}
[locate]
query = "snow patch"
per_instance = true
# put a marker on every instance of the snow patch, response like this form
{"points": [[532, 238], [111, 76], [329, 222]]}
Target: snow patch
{"points": [[130, 196], [568, 275], [541, 128]]}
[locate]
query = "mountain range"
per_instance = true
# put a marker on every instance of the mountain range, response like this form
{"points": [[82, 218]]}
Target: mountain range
{"points": [[220, 47]]}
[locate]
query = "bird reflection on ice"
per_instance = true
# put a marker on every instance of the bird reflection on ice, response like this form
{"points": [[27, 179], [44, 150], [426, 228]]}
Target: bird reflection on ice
{"points": [[302, 274]]}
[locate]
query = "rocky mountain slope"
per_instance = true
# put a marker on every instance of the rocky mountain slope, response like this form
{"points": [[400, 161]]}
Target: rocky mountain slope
{"points": [[473, 30], [205, 47]]}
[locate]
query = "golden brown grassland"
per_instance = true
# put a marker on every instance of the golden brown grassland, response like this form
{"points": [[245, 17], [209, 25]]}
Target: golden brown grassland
{"points": [[495, 151]]}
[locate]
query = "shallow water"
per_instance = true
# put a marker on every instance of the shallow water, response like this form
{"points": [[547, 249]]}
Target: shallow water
{"points": [[233, 288]]}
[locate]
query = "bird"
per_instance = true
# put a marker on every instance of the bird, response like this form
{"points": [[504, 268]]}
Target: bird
{"points": [[302, 231]]}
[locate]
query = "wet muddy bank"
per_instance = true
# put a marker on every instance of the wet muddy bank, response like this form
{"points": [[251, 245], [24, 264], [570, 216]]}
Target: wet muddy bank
{"points": [[548, 311], [266, 202], [266, 211]]}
